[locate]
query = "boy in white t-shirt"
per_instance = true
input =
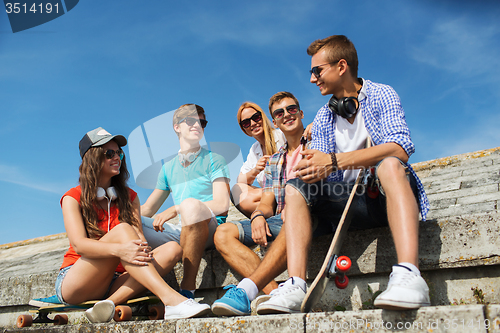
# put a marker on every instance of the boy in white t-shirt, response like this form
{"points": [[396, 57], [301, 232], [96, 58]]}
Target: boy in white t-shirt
{"points": [[359, 109]]}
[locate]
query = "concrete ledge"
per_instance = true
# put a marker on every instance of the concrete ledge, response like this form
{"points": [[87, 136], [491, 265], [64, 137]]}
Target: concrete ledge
{"points": [[471, 318]]}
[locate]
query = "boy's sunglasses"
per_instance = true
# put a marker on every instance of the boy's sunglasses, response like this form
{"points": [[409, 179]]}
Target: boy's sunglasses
{"points": [[191, 121], [292, 109], [256, 117], [110, 153]]}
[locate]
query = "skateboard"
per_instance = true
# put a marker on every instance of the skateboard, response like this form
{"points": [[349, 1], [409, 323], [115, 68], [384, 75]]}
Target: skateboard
{"points": [[147, 306], [334, 265]]}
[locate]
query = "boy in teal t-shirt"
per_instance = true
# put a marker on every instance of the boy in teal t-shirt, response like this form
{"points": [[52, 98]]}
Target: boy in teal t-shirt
{"points": [[199, 182]]}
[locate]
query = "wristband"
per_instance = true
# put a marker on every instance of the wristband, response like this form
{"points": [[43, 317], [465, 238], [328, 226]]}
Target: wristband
{"points": [[334, 161], [253, 218]]}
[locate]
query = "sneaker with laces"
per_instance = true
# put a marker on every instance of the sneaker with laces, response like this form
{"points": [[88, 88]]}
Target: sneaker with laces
{"points": [[45, 301], [186, 293], [235, 302], [187, 309], [101, 312], [406, 290], [286, 299]]}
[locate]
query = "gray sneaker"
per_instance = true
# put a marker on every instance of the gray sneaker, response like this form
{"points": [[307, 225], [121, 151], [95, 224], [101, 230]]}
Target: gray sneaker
{"points": [[406, 290], [286, 299]]}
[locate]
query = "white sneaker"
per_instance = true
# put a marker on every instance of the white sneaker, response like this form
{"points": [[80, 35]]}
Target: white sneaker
{"points": [[406, 290], [286, 299], [101, 312], [187, 309]]}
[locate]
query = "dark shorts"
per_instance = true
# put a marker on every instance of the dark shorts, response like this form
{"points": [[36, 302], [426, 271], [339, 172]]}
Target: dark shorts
{"points": [[245, 229], [327, 200]]}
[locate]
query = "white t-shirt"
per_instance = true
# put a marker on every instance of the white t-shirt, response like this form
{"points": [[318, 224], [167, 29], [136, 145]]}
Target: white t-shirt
{"points": [[256, 153], [350, 137]]}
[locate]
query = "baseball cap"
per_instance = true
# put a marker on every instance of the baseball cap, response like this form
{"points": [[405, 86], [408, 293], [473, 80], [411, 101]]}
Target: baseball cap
{"points": [[99, 137]]}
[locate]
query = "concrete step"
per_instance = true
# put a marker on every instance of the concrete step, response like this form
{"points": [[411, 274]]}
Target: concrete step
{"points": [[465, 318]]}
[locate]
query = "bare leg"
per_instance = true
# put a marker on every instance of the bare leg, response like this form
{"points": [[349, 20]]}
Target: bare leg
{"points": [[165, 258], [298, 229], [402, 210], [273, 264], [246, 198], [240, 257], [89, 278], [195, 217]]}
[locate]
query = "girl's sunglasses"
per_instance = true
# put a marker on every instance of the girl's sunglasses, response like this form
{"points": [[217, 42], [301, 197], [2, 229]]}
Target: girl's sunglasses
{"points": [[256, 117], [110, 153], [191, 121], [292, 109]]}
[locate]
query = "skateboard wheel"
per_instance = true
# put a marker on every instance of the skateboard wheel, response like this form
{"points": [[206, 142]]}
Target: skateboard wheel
{"points": [[341, 281], [372, 192], [157, 312], [60, 319], [343, 263], [24, 321], [122, 313]]}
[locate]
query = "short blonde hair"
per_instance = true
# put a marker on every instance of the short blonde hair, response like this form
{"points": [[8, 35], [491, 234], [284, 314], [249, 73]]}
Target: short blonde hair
{"points": [[187, 110]]}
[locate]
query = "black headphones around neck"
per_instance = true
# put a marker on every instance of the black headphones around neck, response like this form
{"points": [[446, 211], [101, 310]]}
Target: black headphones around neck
{"points": [[346, 107]]}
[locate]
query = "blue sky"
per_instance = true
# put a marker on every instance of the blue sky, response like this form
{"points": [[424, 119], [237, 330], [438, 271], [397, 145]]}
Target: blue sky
{"points": [[119, 64]]}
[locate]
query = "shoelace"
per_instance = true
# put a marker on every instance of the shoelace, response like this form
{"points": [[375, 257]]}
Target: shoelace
{"points": [[401, 278], [235, 292], [282, 289]]}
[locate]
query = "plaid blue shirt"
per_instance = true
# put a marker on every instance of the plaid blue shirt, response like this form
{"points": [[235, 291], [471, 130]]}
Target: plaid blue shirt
{"points": [[275, 176], [385, 122]]}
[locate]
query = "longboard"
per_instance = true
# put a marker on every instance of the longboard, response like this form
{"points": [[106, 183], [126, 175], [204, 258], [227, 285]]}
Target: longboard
{"points": [[333, 264], [149, 306]]}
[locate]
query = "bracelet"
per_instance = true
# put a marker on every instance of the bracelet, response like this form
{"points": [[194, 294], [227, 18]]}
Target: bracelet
{"points": [[253, 218], [334, 161]]}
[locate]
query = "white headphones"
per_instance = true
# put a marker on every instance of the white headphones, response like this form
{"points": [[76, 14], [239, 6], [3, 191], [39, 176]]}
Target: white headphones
{"points": [[189, 157], [111, 193]]}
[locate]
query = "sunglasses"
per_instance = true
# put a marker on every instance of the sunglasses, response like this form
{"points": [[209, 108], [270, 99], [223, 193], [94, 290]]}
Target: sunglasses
{"points": [[110, 153], [316, 71], [191, 121], [291, 109], [256, 117]]}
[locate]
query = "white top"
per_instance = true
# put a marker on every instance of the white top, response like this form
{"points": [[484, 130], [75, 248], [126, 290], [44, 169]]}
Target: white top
{"points": [[350, 137], [256, 153]]}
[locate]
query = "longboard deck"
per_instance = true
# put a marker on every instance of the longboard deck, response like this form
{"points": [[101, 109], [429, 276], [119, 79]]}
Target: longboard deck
{"points": [[318, 286], [88, 304]]}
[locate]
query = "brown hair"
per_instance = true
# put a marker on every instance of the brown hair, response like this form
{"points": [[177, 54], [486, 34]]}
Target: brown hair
{"points": [[187, 110], [337, 47], [278, 97], [90, 171], [270, 146]]}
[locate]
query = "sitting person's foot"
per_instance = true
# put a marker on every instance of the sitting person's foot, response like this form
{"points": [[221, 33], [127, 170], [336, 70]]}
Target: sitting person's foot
{"points": [[45, 301], [235, 302], [187, 309], [101, 312], [286, 299], [186, 293], [406, 290]]}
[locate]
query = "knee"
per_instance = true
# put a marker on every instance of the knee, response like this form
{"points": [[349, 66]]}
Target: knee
{"points": [[224, 233], [125, 229], [390, 167], [174, 249]]}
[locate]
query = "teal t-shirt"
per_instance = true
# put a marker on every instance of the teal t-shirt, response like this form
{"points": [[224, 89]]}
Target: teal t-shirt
{"points": [[195, 180]]}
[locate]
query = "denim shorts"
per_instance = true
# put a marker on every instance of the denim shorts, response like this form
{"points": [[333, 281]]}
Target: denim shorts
{"points": [[62, 275], [327, 200], [245, 229]]}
